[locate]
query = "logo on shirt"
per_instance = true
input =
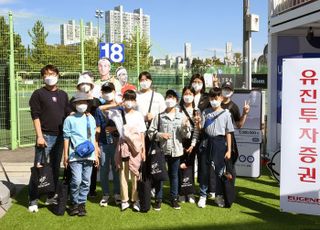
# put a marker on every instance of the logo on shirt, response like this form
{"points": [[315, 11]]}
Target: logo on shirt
{"points": [[54, 99]]}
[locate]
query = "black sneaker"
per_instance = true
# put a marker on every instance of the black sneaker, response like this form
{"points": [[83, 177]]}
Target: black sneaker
{"points": [[74, 210], [157, 205], [82, 210], [175, 204], [92, 194]]}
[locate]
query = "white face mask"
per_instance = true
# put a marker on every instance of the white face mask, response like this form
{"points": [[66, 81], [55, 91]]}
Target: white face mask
{"points": [[188, 98], [197, 86], [81, 108], [145, 84], [108, 96], [215, 103], [171, 103], [129, 104], [227, 93], [51, 80], [118, 99], [85, 88]]}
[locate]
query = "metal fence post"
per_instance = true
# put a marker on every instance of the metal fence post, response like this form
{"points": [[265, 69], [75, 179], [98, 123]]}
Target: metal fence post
{"points": [[138, 52], [82, 44], [13, 98]]}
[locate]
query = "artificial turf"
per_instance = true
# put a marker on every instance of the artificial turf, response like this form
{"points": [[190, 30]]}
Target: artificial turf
{"points": [[256, 207]]}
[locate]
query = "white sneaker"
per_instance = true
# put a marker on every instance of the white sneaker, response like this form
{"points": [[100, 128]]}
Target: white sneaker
{"points": [[136, 206], [104, 201], [117, 199], [212, 195], [202, 202], [33, 208], [219, 201], [124, 206], [191, 199], [51, 201]]}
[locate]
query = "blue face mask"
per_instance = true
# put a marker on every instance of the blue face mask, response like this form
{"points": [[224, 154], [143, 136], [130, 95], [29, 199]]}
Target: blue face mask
{"points": [[102, 101]]}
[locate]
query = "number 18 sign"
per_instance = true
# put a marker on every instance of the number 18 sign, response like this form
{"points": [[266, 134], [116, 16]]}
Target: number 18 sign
{"points": [[113, 51]]}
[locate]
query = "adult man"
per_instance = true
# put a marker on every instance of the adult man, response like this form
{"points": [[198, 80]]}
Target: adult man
{"points": [[49, 107], [104, 67]]}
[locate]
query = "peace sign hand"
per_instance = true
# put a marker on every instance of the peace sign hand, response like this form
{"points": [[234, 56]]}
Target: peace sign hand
{"points": [[246, 107], [215, 80]]}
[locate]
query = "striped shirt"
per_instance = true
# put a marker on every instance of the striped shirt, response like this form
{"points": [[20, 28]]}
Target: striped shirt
{"points": [[195, 136]]}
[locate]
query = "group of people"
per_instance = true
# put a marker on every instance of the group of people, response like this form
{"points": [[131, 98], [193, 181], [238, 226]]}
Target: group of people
{"points": [[121, 123]]}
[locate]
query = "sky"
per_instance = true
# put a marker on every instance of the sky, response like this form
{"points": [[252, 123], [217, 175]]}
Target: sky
{"points": [[206, 24]]}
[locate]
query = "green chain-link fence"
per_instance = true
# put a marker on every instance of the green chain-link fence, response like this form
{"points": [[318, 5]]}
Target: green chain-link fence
{"points": [[20, 65]]}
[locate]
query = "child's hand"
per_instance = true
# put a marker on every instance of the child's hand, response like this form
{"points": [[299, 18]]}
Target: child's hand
{"points": [[227, 155], [183, 166], [215, 80], [96, 161], [65, 162], [165, 136], [189, 150]]}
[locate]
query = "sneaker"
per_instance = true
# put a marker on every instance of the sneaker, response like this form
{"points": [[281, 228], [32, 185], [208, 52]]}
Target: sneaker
{"points": [[157, 205], [124, 205], [212, 195], [191, 199], [182, 199], [33, 208], [117, 199], [74, 210], [104, 201], [51, 201], [202, 202], [175, 204], [219, 201], [82, 210], [136, 206]]}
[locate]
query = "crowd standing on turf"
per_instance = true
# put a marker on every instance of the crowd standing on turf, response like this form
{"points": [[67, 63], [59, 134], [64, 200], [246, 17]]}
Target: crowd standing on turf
{"points": [[192, 128]]}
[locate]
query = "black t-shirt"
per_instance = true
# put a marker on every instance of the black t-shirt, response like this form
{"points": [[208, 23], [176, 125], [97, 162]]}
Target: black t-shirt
{"points": [[51, 107], [234, 110]]}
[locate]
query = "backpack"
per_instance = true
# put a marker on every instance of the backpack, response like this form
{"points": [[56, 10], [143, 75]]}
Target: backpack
{"points": [[132, 137]]}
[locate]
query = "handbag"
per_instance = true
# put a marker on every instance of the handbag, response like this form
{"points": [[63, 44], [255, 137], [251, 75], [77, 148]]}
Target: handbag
{"points": [[86, 148], [62, 191], [144, 188], [43, 179], [186, 181], [157, 160]]}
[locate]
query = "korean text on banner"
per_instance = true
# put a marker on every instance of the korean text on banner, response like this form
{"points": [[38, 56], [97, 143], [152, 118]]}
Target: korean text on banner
{"points": [[300, 143]]}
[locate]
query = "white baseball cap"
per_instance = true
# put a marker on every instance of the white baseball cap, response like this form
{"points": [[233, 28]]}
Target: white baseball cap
{"points": [[87, 78]]}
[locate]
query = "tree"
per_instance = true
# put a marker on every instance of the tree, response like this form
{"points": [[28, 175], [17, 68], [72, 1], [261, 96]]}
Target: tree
{"points": [[131, 53], [20, 50], [38, 36]]}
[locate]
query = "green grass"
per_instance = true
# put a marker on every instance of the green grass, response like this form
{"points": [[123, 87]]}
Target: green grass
{"points": [[256, 207]]}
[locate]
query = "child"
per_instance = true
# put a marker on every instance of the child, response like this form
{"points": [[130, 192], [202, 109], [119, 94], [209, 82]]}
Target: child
{"points": [[189, 145], [126, 159], [107, 138], [216, 125], [173, 128], [77, 129]]}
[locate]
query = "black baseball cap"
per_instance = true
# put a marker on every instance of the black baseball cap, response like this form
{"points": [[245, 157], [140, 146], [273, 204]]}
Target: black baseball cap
{"points": [[227, 85], [107, 87], [172, 92]]}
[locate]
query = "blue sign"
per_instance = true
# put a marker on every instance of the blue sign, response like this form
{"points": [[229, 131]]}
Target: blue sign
{"points": [[113, 51]]}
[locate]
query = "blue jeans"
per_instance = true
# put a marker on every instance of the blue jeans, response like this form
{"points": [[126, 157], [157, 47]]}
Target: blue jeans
{"points": [[107, 158], [214, 155], [51, 154], [80, 180], [173, 171]]}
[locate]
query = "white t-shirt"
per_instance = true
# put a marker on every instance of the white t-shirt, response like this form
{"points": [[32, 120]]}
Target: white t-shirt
{"points": [[197, 99], [133, 119], [143, 102]]}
